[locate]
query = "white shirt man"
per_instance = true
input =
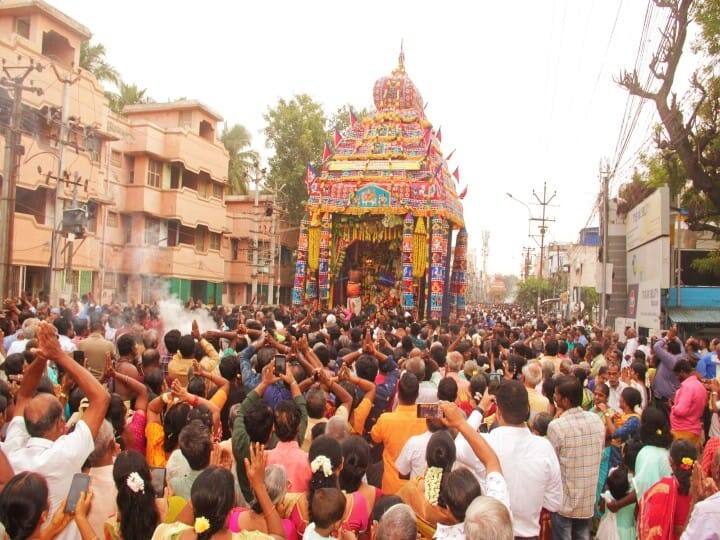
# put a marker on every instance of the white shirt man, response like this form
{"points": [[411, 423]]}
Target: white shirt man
{"points": [[55, 460], [614, 397], [631, 345], [411, 461], [66, 344], [529, 463]]}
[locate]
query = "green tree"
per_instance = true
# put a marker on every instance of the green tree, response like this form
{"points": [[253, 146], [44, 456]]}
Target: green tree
{"points": [[243, 159], [92, 59], [127, 94], [295, 130], [340, 119], [688, 144], [527, 291]]}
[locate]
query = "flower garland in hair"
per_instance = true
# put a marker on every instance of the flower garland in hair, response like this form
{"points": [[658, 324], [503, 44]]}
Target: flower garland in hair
{"points": [[324, 463], [686, 463], [135, 483], [433, 479], [201, 524]]}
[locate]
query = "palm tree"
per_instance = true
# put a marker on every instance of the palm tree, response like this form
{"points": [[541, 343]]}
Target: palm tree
{"points": [[92, 59], [243, 159], [127, 94]]}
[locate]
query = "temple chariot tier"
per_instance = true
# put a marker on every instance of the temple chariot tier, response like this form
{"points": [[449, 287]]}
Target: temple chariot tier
{"points": [[381, 214]]}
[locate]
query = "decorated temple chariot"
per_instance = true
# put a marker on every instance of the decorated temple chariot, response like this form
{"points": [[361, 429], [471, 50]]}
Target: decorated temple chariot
{"points": [[382, 214]]}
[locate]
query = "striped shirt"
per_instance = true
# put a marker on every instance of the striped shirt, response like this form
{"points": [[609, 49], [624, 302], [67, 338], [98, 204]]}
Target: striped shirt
{"points": [[578, 438]]}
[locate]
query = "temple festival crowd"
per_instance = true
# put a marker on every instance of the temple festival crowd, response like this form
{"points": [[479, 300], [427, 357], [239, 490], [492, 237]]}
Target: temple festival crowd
{"points": [[291, 423]]}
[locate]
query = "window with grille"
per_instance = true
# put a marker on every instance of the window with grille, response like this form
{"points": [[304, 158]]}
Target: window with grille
{"points": [[185, 119], [152, 231], [22, 27], [116, 159], [112, 219], [215, 241], [154, 174], [217, 190]]}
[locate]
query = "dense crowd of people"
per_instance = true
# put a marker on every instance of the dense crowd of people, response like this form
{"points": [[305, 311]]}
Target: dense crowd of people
{"points": [[308, 423]]}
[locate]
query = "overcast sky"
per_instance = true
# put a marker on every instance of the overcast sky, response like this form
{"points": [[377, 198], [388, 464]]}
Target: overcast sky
{"points": [[522, 89]]}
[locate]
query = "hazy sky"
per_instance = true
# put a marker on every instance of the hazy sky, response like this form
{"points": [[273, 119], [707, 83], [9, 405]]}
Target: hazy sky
{"points": [[522, 89]]}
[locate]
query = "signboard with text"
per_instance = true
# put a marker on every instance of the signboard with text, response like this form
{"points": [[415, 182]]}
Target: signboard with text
{"points": [[649, 220]]}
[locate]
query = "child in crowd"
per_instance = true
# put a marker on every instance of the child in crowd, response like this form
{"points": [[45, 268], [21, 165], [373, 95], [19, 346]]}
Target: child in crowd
{"points": [[326, 513]]}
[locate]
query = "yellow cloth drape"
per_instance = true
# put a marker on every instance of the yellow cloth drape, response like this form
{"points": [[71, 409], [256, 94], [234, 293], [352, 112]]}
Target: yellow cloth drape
{"points": [[420, 249], [314, 242]]}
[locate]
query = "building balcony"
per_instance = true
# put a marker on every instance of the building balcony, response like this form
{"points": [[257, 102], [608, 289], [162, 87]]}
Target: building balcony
{"points": [[192, 210], [184, 205], [194, 152], [31, 245], [178, 261], [238, 272]]}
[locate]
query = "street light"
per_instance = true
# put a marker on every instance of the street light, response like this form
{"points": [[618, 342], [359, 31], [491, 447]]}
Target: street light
{"points": [[525, 205]]}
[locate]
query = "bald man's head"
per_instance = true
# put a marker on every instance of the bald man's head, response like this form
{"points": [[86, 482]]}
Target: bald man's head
{"points": [[43, 417]]}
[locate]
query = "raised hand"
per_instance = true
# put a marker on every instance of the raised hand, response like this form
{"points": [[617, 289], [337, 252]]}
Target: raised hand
{"points": [[48, 344], [255, 466], [195, 330]]}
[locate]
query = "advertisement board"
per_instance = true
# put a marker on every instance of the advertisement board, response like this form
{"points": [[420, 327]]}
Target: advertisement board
{"points": [[648, 305], [649, 220], [650, 262]]}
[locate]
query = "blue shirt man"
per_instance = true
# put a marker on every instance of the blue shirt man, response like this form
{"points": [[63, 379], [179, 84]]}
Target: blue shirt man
{"points": [[707, 365]]}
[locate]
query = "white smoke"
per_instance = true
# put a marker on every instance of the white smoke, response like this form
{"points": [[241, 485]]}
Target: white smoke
{"points": [[174, 315]]}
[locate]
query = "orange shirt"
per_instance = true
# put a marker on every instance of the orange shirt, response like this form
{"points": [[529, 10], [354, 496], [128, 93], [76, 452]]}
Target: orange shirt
{"points": [[393, 430]]}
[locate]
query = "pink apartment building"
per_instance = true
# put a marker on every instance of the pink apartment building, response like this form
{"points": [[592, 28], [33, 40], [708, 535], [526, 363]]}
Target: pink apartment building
{"points": [[153, 184]]}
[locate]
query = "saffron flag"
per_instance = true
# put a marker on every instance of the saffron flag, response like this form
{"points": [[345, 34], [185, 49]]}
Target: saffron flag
{"points": [[353, 118], [337, 137], [456, 173], [439, 134], [450, 155], [326, 152], [463, 193]]}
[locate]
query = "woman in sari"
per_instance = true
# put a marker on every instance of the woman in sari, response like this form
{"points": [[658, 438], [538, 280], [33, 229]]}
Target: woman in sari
{"points": [[326, 460], [665, 507], [653, 460], [422, 493]]}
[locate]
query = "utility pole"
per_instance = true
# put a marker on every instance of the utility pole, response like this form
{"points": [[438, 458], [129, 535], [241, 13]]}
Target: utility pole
{"points": [[259, 175], [13, 150], [604, 219], [485, 254], [56, 272], [544, 202], [526, 256], [274, 242]]}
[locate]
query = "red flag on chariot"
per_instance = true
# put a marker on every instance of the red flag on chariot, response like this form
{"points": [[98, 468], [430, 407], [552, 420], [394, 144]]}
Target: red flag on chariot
{"points": [[353, 118], [326, 152], [439, 134], [463, 193], [337, 137], [456, 173]]}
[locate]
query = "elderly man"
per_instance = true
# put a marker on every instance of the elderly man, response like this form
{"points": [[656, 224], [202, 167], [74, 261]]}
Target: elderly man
{"points": [[631, 345], [36, 439], [455, 363], [397, 523], [488, 519], [531, 377], [28, 329]]}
